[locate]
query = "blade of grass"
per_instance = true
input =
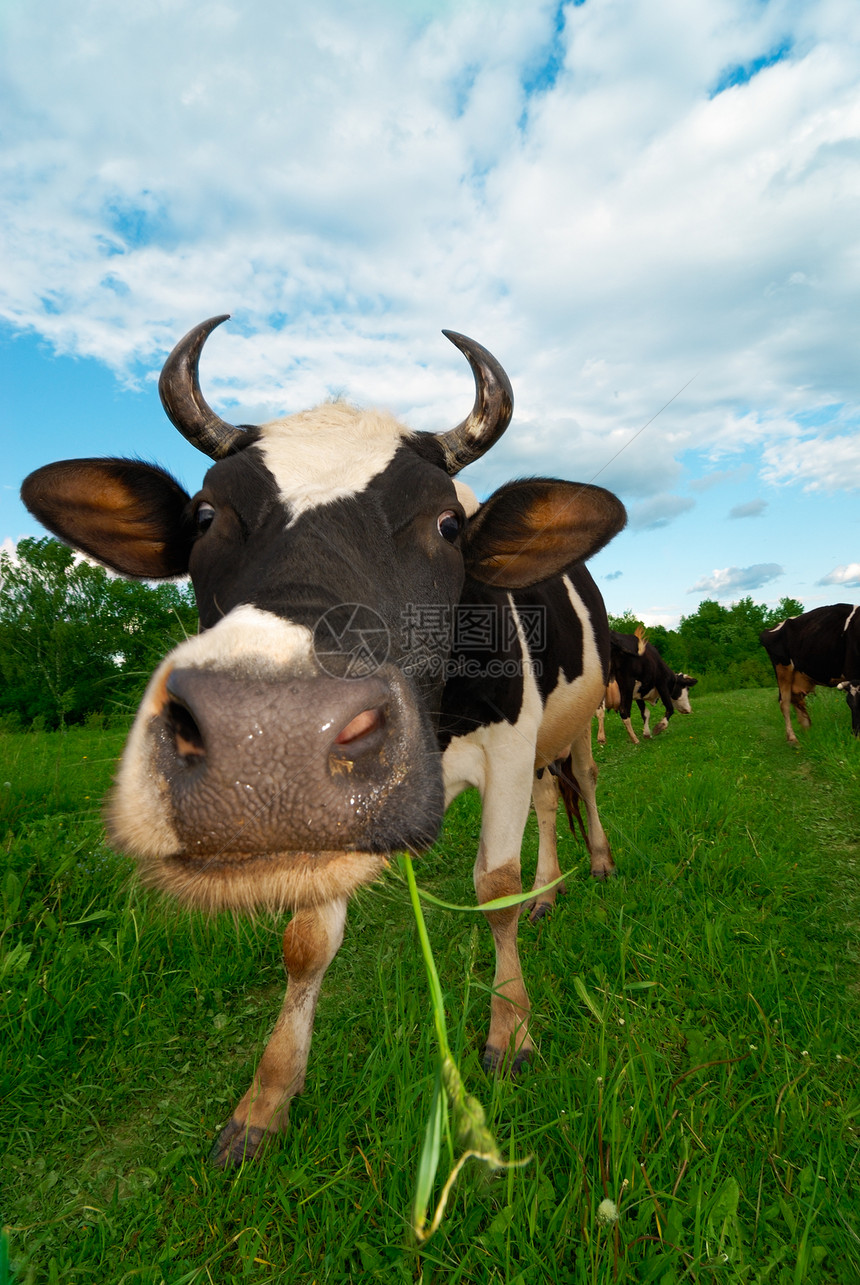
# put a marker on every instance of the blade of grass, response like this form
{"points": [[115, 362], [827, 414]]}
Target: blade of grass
{"points": [[470, 1124]]}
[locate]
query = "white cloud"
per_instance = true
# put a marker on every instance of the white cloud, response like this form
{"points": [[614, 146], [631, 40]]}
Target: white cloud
{"points": [[349, 178], [818, 463], [751, 509], [844, 575], [732, 580], [659, 511], [720, 477]]}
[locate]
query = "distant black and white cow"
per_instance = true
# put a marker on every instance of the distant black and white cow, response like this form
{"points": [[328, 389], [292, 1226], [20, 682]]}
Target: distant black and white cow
{"points": [[367, 651], [819, 648], [638, 672]]}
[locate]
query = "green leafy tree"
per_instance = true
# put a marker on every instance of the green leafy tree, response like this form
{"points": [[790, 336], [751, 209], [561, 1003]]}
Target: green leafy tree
{"points": [[626, 623], [785, 607], [75, 640]]}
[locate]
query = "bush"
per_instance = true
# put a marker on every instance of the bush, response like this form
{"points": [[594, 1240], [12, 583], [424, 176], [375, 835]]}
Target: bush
{"points": [[74, 639]]}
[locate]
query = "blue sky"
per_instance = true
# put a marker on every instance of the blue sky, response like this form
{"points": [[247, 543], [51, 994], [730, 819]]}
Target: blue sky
{"points": [[636, 205]]}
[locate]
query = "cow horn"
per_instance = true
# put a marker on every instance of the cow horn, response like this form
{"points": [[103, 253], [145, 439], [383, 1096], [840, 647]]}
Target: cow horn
{"points": [[184, 403], [491, 413]]}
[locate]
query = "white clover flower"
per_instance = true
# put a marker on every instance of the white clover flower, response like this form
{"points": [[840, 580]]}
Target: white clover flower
{"points": [[607, 1212]]}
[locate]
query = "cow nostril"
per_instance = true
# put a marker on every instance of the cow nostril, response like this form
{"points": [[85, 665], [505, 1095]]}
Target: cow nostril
{"points": [[185, 732], [369, 720]]}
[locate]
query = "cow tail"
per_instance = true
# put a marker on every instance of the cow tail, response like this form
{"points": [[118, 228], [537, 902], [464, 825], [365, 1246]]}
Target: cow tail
{"points": [[562, 770]]}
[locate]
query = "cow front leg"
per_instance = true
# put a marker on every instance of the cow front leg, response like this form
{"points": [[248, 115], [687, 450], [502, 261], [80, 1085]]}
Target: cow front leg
{"points": [[628, 724], [545, 798], [311, 941], [508, 1039], [506, 801], [585, 773], [645, 711], [664, 693]]}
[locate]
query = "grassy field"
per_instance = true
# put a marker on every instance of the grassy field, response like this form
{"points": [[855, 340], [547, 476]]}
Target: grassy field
{"points": [[697, 1027]]}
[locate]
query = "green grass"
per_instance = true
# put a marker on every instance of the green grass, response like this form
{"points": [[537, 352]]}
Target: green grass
{"points": [[696, 1023]]}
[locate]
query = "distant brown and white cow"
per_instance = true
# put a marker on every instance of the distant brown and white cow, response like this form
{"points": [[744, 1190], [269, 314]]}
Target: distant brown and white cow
{"points": [[366, 652], [819, 648], [638, 672]]}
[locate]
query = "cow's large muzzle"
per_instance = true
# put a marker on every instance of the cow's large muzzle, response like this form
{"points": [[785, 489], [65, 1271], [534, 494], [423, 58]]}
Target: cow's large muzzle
{"points": [[253, 767]]}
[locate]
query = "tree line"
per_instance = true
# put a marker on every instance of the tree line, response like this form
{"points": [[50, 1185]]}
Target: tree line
{"points": [[78, 643], [718, 645]]}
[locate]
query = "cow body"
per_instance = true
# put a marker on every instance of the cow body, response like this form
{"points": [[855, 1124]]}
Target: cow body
{"points": [[819, 648], [499, 733], [639, 673], [331, 706]]}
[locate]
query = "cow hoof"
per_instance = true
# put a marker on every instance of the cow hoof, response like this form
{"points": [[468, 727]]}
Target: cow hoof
{"points": [[237, 1143], [521, 1060], [603, 875], [538, 909], [494, 1061]]}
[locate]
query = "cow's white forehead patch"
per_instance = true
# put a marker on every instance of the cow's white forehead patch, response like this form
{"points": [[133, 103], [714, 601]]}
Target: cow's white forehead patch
{"points": [[328, 453]]}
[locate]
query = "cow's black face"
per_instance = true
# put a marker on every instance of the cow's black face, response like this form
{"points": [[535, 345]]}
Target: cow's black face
{"points": [[392, 545], [288, 730], [280, 754]]}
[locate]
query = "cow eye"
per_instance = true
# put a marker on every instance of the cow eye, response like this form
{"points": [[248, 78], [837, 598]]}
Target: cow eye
{"points": [[204, 517], [448, 524]]}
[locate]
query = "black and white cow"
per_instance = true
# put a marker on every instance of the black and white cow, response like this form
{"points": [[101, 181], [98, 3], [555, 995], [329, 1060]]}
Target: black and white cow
{"points": [[265, 768], [638, 672], [819, 648]]}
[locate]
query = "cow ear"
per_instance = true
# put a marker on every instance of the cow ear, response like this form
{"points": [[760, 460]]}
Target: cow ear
{"points": [[529, 531], [128, 515]]}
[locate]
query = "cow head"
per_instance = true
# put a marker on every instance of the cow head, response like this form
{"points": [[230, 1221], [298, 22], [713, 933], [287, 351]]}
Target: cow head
{"points": [[271, 762], [681, 684]]}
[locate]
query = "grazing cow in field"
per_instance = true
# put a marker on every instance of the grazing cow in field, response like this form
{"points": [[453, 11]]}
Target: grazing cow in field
{"points": [[819, 648], [638, 672], [372, 642]]}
